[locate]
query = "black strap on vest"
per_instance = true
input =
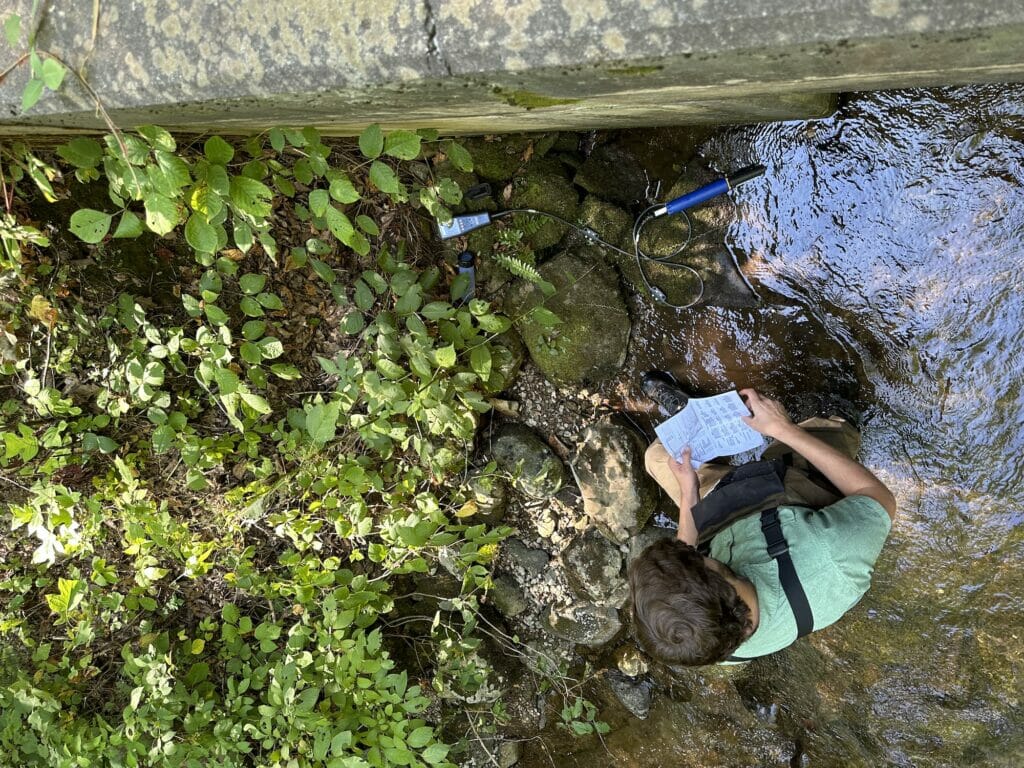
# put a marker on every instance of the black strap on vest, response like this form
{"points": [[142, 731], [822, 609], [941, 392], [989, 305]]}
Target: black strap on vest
{"points": [[778, 549]]}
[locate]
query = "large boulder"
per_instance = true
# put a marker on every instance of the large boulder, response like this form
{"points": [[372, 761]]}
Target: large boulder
{"points": [[618, 494], [588, 343], [584, 624], [536, 470], [593, 567]]}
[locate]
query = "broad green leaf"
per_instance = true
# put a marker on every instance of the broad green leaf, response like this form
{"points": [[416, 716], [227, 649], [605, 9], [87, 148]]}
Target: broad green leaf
{"points": [[129, 226], [250, 196], [250, 307], [353, 323], [276, 137], [12, 29], [218, 151], [250, 353], [161, 214], [157, 137], [253, 329], [371, 141], [254, 401], [52, 73], [544, 317], [435, 753], [384, 178], [368, 225], [200, 234], [270, 347], [227, 381], [243, 236], [270, 301], [420, 737], [343, 191], [480, 361], [449, 192], [339, 224], [436, 310], [82, 152], [286, 371], [30, 95], [459, 156], [89, 225], [252, 284], [363, 296], [319, 199], [445, 356], [215, 314], [405, 145], [322, 421], [163, 438], [175, 170]]}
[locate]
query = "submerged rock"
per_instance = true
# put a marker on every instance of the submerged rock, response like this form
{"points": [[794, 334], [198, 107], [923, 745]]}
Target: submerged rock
{"points": [[618, 494], [535, 469], [633, 693], [593, 567], [612, 172], [589, 341], [543, 186], [612, 223], [584, 624]]}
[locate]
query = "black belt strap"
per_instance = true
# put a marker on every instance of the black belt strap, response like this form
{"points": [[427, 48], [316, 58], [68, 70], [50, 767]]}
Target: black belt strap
{"points": [[778, 549]]}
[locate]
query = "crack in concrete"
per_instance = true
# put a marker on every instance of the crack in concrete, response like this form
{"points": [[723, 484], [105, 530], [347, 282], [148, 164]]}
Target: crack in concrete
{"points": [[435, 55]]}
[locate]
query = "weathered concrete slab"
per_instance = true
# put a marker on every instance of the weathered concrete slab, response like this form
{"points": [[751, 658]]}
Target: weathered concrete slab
{"points": [[474, 65]]}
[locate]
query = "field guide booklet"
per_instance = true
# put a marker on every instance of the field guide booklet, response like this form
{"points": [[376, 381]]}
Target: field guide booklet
{"points": [[711, 426]]}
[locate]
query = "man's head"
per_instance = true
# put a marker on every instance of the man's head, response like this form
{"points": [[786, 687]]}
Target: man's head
{"points": [[686, 607]]}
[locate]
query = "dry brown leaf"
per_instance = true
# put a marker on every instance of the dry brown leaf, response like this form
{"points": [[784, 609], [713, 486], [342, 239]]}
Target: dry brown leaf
{"points": [[42, 310]]}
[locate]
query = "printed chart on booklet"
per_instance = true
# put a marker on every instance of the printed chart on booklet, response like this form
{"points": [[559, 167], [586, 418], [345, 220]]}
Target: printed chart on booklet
{"points": [[711, 426]]}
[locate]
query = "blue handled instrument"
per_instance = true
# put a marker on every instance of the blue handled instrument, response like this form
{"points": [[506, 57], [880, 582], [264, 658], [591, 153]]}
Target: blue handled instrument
{"points": [[708, 191]]}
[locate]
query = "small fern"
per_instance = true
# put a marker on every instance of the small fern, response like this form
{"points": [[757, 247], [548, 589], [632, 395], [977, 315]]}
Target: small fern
{"points": [[518, 267]]}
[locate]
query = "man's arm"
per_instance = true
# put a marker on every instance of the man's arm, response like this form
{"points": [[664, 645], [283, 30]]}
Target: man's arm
{"points": [[849, 477], [689, 496]]}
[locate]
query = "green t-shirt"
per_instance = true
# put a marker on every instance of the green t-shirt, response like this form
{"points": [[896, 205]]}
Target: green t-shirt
{"points": [[834, 551]]}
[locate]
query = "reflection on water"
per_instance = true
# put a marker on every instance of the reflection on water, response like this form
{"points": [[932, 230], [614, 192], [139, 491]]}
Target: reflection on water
{"points": [[886, 244]]}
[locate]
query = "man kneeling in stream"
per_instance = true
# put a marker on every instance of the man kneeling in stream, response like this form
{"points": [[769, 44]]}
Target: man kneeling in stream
{"points": [[776, 549]]}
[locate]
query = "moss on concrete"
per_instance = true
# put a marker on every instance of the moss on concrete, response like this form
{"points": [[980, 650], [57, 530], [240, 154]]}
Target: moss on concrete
{"points": [[532, 100]]}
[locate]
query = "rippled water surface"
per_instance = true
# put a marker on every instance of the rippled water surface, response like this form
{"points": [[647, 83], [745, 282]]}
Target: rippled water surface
{"points": [[886, 246]]}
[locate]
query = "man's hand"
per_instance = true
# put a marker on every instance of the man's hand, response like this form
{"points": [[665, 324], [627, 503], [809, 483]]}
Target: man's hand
{"points": [[769, 416], [684, 473]]}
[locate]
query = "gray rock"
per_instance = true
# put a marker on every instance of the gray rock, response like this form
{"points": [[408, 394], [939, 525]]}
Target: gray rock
{"points": [[509, 753], [584, 624], [618, 494], [649, 535], [613, 173], [490, 492], [533, 561], [612, 223], [633, 693], [507, 596], [593, 567], [589, 343], [535, 469]]}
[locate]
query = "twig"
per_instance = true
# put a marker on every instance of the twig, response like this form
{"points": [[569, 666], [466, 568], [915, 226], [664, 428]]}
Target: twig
{"points": [[483, 746]]}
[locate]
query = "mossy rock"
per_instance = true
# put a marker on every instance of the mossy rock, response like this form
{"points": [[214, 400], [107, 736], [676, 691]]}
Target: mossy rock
{"points": [[543, 185], [613, 224], [535, 469], [589, 344], [498, 159], [465, 180], [613, 173]]}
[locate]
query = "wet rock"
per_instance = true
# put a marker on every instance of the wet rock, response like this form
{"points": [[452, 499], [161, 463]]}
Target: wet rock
{"points": [[649, 535], [612, 172], [507, 597], [612, 223], [593, 567], [542, 185], [630, 661], [490, 492], [507, 355], [584, 624], [497, 159], [633, 693], [532, 561], [589, 343], [536, 470], [618, 494]]}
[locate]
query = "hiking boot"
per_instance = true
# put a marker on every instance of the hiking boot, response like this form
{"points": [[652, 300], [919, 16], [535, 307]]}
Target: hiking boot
{"points": [[663, 389]]}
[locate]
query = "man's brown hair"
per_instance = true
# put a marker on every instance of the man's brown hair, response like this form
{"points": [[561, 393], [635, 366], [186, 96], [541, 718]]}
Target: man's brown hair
{"points": [[683, 611]]}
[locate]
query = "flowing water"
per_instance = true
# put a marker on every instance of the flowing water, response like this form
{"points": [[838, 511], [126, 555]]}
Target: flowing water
{"points": [[886, 246]]}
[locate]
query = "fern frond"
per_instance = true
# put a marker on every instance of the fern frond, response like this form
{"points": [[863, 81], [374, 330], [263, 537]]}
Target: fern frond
{"points": [[518, 267]]}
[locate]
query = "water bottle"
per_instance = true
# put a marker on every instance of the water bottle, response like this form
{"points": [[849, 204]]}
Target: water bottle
{"points": [[467, 266]]}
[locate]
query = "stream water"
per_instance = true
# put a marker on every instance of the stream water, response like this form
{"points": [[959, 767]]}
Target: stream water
{"points": [[886, 246]]}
